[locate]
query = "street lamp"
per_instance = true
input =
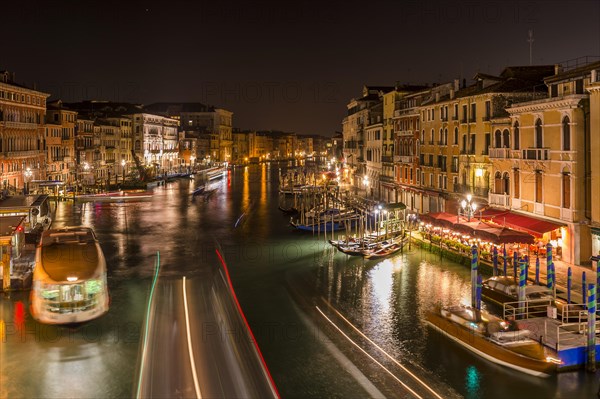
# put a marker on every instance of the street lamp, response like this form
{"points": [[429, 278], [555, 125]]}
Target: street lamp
{"points": [[468, 207], [123, 167], [366, 184], [28, 174]]}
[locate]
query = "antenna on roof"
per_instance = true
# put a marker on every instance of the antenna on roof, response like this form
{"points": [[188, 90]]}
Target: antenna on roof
{"points": [[530, 41]]}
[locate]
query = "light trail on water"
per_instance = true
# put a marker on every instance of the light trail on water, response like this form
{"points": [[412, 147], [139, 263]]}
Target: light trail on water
{"points": [[368, 355]]}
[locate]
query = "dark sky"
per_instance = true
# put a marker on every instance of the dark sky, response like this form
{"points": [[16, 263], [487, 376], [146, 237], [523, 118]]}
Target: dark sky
{"points": [[288, 65]]}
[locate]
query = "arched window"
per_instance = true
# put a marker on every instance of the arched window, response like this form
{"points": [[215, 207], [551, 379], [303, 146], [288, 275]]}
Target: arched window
{"points": [[566, 133], [445, 136], [517, 181], [417, 148], [456, 136], [498, 183], [566, 189], [497, 139], [516, 137], [423, 136], [506, 183], [464, 144], [441, 136], [431, 139], [411, 148], [506, 138], [539, 138]]}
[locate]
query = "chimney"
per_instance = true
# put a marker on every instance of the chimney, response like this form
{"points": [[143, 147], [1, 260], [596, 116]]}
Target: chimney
{"points": [[456, 84], [437, 97], [451, 94], [557, 69], [594, 77]]}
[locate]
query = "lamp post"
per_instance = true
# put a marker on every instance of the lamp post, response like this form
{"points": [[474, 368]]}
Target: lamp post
{"points": [[468, 207], [366, 184], [28, 174], [123, 167], [86, 169]]}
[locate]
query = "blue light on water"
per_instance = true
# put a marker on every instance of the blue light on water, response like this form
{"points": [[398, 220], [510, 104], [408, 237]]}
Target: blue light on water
{"points": [[473, 382]]}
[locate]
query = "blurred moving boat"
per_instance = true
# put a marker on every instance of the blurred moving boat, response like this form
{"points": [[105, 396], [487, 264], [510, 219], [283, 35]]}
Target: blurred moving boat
{"points": [[69, 279], [116, 196]]}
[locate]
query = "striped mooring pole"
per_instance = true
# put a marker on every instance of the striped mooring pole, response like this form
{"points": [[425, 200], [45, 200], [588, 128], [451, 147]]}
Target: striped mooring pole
{"points": [[591, 336], [569, 284], [474, 276], [522, 285]]}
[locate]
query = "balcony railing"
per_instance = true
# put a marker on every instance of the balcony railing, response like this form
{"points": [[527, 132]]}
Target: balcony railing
{"points": [[538, 154], [499, 153], [403, 158], [388, 159], [454, 117], [22, 154], [499, 199], [21, 125]]}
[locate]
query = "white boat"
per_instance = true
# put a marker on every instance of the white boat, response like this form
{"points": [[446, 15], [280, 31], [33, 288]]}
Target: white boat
{"points": [[69, 279]]}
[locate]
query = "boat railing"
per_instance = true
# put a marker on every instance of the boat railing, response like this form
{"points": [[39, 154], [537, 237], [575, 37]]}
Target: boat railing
{"points": [[573, 312], [568, 335], [531, 308]]}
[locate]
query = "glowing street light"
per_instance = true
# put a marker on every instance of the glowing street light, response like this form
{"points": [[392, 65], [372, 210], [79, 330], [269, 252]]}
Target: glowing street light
{"points": [[468, 207], [123, 166]]}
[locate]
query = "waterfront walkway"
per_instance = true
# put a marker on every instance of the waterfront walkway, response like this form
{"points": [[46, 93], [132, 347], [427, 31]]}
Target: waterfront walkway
{"points": [[561, 273]]}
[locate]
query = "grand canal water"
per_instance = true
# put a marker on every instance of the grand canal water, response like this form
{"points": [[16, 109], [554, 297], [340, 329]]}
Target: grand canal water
{"points": [[280, 276]]}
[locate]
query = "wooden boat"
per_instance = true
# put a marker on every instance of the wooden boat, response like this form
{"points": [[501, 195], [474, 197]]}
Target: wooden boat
{"points": [[501, 290], [494, 339], [289, 211], [381, 250]]}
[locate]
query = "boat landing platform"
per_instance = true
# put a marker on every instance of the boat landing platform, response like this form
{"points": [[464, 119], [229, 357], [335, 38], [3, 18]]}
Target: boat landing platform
{"points": [[568, 341]]}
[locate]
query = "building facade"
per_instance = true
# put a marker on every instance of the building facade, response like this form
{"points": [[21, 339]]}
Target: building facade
{"points": [[22, 133]]}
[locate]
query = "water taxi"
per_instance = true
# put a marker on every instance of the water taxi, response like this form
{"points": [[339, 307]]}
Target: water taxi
{"points": [[69, 279], [499, 341]]}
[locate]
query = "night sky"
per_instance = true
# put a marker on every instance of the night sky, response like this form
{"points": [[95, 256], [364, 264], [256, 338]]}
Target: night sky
{"points": [[279, 65]]}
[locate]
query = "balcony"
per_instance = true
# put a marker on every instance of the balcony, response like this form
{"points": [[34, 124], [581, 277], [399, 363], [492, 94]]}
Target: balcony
{"points": [[445, 118], [499, 199], [455, 117], [22, 154], [499, 153], [20, 125], [442, 142], [403, 158], [568, 156], [536, 154], [387, 159], [386, 179], [473, 119]]}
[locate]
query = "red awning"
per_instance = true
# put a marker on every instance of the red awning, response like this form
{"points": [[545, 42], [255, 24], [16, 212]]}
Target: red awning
{"points": [[532, 225]]}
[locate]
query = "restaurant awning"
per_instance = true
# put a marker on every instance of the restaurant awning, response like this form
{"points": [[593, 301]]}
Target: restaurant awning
{"points": [[529, 224]]}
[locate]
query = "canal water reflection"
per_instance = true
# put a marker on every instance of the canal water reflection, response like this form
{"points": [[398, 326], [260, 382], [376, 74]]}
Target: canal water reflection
{"points": [[279, 275]]}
